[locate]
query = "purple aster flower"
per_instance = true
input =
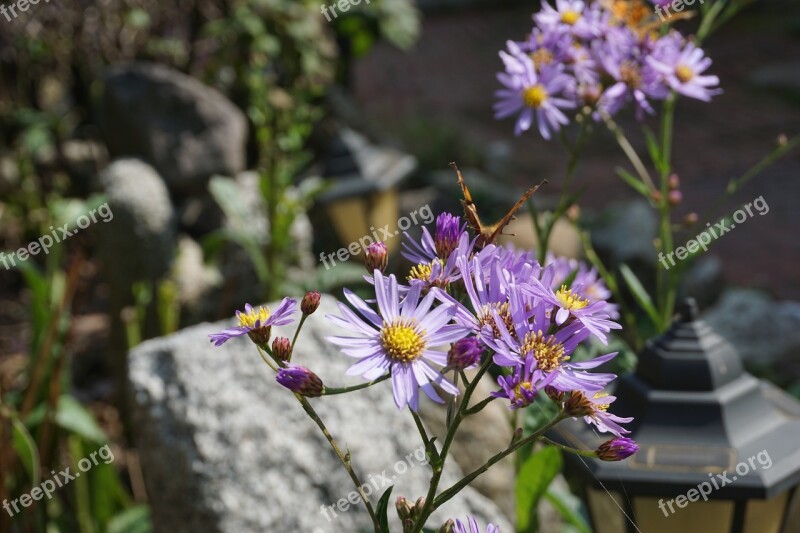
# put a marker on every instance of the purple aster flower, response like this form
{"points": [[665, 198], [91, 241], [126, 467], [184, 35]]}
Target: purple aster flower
{"points": [[594, 410], [301, 380], [399, 338], [465, 353], [617, 449], [532, 94], [472, 527], [442, 272], [683, 72], [257, 323], [520, 388], [570, 16], [594, 315]]}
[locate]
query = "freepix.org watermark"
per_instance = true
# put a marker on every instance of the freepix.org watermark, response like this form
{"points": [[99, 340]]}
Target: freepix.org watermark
{"points": [[703, 239], [21, 5], [676, 5], [360, 246], [343, 5], [45, 242], [716, 482], [376, 484], [60, 479]]}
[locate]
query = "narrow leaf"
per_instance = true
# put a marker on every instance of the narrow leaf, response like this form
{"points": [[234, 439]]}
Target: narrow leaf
{"points": [[640, 294]]}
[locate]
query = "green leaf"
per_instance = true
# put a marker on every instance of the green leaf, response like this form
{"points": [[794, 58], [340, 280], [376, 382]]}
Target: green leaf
{"points": [[640, 294], [654, 149], [133, 520], [26, 449], [568, 506], [534, 477], [383, 510], [74, 417], [633, 181]]}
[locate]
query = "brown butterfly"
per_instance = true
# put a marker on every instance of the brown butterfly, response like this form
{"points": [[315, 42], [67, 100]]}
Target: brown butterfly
{"points": [[488, 234]]}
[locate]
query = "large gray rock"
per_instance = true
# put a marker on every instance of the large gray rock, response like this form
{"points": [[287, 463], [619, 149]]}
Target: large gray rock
{"points": [[763, 330], [186, 130], [225, 448]]}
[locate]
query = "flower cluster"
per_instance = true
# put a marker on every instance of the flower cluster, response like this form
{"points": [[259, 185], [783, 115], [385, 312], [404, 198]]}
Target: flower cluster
{"points": [[596, 57], [495, 305]]}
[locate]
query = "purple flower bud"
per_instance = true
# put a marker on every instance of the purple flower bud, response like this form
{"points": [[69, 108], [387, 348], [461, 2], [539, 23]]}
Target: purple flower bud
{"points": [[310, 302], [617, 449], [464, 353], [675, 197], [376, 256], [448, 231], [301, 380], [282, 348]]}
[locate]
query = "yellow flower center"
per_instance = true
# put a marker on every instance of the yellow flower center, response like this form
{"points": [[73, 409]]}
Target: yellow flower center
{"points": [[487, 318], [570, 17], [601, 406], [548, 352], [629, 74], [423, 271], [526, 386], [403, 340], [540, 57], [256, 314], [684, 74], [569, 300], [534, 96]]}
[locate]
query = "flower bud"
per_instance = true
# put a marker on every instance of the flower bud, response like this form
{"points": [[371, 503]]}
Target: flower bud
{"points": [[404, 508], [447, 527], [690, 220], [376, 257], [418, 505], [282, 348], [464, 353], [617, 449], [310, 302], [448, 231], [656, 196], [675, 197], [301, 380], [674, 182]]}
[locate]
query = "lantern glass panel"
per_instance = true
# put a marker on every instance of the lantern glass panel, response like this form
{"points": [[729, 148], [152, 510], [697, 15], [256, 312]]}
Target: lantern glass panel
{"points": [[714, 516], [765, 516], [607, 517], [793, 514]]}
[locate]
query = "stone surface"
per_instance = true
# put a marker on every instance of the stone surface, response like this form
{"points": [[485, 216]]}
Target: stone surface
{"points": [[763, 330], [186, 130], [225, 448]]}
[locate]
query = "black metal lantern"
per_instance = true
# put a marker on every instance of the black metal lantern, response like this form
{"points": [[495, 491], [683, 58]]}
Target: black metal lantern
{"points": [[719, 449], [364, 178]]}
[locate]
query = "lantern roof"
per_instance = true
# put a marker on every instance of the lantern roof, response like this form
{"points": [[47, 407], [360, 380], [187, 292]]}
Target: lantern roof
{"points": [[697, 413]]}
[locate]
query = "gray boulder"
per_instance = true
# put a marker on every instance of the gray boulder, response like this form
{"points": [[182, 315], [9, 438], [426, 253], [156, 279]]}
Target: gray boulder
{"points": [[186, 130], [225, 448], [763, 330]]}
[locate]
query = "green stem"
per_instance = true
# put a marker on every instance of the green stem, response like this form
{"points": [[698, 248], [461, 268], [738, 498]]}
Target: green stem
{"points": [[297, 333], [585, 453], [514, 446], [438, 465], [344, 459], [330, 391], [668, 291]]}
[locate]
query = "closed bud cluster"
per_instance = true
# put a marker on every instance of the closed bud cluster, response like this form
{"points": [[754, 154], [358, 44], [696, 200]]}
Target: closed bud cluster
{"points": [[447, 527]]}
